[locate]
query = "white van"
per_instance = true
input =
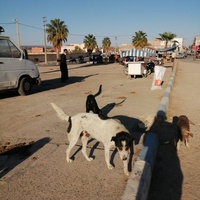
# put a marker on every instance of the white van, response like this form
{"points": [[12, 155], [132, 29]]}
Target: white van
{"points": [[16, 71]]}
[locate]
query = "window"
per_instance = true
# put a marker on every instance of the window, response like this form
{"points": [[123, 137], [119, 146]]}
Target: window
{"points": [[8, 49], [15, 51], [4, 49]]}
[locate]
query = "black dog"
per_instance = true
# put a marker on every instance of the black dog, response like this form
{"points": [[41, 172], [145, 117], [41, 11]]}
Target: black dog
{"points": [[91, 104]]}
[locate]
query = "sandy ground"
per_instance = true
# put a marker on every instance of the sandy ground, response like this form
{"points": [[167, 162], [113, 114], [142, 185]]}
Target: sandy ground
{"points": [[37, 169]]}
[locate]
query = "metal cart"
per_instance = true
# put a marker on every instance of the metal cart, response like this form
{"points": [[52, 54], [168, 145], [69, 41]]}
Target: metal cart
{"points": [[135, 68]]}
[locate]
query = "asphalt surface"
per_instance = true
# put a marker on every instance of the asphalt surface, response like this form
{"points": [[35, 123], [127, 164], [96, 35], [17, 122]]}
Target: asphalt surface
{"points": [[41, 171]]}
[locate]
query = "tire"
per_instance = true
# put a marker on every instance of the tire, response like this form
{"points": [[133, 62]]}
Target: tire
{"points": [[145, 75], [25, 86]]}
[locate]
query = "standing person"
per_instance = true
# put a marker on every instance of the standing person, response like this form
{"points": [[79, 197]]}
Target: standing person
{"points": [[173, 57], [63, 66]]}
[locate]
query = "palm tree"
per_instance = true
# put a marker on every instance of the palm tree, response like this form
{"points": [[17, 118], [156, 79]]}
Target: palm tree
{"points": [[167, 36], [106, 43], [57, 33], [174, 43], [140, 39], [90, 43]]}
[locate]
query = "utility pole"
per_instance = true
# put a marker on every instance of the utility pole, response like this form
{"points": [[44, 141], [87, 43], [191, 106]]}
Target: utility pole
{"points": [[115, 45], [18, 34], [45, 45]]}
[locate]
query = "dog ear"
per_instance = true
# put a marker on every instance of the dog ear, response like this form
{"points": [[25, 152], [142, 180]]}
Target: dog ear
{"points": [[113, 138], [131, 139]]}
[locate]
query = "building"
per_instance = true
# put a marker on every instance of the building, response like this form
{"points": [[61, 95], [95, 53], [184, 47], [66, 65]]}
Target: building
{"points": [[37, 50], [159, 44], [71, 47], [179, 43], [197, 41]]}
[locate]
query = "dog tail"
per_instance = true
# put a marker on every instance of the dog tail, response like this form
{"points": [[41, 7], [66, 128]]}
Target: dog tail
{"points": [[99, 92], [60, 113]]}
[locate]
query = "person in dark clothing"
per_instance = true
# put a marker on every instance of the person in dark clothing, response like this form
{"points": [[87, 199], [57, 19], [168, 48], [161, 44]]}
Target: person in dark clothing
{"points": [[63, 66]]}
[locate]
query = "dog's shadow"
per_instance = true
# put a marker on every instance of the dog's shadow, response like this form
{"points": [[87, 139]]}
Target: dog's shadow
{"points": [[91, 154], [112, 157], [106, 109], [134, 126]]}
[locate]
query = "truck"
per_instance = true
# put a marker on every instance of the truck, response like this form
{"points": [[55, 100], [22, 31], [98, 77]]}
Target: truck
{"points": [[17, 72]]}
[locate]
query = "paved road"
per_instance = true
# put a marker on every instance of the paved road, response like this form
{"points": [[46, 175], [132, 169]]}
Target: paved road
{"points": [[41, 172]]}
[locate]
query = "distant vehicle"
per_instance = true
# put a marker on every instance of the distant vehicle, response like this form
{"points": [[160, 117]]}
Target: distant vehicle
{"points": [[16, 71], [98, 59], [190, 52], [129, 58], [181, 55], [81, 59]]}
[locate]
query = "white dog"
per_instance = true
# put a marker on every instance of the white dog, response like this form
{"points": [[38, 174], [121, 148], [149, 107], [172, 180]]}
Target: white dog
{"points": [[108, 131]]}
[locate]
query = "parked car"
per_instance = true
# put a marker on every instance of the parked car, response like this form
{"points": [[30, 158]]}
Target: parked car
{"points": [[98, 59], [190, 52], [181, 55], [17, 72], [81, 59]]}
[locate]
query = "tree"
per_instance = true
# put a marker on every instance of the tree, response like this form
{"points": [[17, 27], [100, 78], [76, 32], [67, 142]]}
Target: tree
{"points": [[167, 36], [140, 39], [57, 33], [90, 43], [106, 43], [174, 43]]}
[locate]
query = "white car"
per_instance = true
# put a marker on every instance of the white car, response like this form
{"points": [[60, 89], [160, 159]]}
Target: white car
{"points": [[16, 71]]}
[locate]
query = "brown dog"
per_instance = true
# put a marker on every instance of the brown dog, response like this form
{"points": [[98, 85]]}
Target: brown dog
{"points": [[183, 125]]}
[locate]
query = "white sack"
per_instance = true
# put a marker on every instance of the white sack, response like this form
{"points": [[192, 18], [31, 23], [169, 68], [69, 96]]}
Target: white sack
{"points": [[159, 72]]}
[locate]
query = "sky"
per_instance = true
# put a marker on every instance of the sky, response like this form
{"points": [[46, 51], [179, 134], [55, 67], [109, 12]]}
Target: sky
{"points": [[116, 19]]}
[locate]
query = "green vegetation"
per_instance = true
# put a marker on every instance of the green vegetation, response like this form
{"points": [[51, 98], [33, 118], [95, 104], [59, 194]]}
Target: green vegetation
{"points": [[57, 33], [90, 43], [140, 39], [167, 36], [106, 43]]}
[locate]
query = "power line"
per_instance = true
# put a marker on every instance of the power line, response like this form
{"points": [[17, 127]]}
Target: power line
{"points": [[8, 23], [30, 26], [81, 35], [72, 34]]}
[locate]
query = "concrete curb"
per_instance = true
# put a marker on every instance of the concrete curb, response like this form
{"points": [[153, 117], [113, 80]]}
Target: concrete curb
{"points": [[163, 106], [139, 181]]}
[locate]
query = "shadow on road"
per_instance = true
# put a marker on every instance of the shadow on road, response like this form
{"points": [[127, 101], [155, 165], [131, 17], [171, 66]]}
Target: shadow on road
{"points": [[167, 177], [13, 155], [50, 84], [56, 83]]}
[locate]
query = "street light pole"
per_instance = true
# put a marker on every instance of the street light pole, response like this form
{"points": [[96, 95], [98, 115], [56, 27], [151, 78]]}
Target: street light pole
{"points": [[45, 45], [115, 45]]}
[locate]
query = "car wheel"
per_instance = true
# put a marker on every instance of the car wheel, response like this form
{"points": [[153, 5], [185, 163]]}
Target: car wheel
{"points": [[25, 86]]}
